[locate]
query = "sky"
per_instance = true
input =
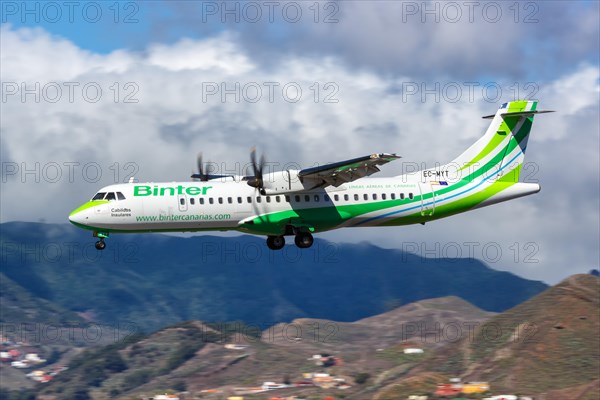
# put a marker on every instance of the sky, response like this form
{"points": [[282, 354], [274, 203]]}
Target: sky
{"points": [[95, 92]]}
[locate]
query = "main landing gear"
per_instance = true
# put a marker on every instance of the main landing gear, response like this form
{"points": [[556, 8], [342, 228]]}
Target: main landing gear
{"points": [[275, 242], [303, 240]]}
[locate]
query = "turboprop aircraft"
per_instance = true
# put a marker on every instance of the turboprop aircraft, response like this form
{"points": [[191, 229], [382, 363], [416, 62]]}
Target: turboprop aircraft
{"points": [[302, 202]]}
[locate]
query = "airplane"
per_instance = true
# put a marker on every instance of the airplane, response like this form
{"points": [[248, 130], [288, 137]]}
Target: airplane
{"points": [[302, 202]]}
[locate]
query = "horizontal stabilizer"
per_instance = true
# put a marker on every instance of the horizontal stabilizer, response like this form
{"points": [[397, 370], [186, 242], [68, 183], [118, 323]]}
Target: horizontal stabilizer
{"points": [[518, 114]]}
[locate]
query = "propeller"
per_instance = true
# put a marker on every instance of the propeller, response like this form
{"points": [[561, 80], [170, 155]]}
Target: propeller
{"points": [[201, 175], [257, 180]]}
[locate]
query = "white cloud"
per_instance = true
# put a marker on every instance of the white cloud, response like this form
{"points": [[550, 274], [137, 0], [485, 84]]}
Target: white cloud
{"points": [[172, 121], [218, 53]]}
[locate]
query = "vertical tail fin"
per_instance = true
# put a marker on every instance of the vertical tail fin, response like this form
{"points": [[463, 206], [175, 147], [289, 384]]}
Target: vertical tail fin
{"points": [[501, 150]]}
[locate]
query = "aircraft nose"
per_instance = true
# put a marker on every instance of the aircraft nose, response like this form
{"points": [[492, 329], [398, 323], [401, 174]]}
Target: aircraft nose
{"points": [[78, 216], [75, 217]]}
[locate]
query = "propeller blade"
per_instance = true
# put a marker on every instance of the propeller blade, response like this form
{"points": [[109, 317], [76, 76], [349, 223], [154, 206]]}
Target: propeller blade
{"points": [[257, 180], [200, 167]]}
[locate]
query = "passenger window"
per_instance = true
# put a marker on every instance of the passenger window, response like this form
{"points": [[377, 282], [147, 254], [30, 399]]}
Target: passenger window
{"points": [[220, 200], [201, 200], [182, 201], [258, 199], [346, 197], [278, 199], [366, 196], [356, 197], [230, 200], [306, 198], [401, 196], [99, 196], [316, 197], [192, 201], [287, 198], [383, 196], [326, 197], [297, 198], [374, 196], [268, 199], [336, 197], [120, 196], [249, 199], [211, 200], [393, 196], [111, 196], [239, 200], [410, 196]]}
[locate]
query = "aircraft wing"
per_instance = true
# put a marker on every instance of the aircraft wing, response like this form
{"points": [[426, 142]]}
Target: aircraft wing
{"points": [[341, 172]]}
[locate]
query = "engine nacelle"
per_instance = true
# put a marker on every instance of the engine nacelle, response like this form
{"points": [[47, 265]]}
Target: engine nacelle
{"points": [[282, 182]]}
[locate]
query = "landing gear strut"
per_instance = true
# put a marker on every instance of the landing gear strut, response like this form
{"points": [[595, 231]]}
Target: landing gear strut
{"points": [[304, 240], [275, 242], [100, 244]]}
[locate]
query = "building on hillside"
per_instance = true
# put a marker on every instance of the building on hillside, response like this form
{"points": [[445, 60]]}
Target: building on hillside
{"points": [[273, 386], [324, 381], [233, 346], [475, 387], [448, 389], [413, 350], [19, 364], [34, 358], [166, 397]]}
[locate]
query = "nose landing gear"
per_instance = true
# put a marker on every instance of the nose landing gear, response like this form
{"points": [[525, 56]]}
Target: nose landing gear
{"points": [[100, 244]]}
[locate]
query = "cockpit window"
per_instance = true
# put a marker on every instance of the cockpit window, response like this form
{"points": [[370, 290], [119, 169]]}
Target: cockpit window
{"points": [[110, 196], [120, 196], [99, 196]]}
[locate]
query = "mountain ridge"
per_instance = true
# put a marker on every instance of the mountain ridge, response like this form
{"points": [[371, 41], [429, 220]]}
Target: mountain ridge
{"points": [[157, 280]]}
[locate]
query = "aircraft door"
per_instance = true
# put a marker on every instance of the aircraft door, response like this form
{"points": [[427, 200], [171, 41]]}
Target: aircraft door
{"points": [[427, 202], [242, 207], [182, 202]]}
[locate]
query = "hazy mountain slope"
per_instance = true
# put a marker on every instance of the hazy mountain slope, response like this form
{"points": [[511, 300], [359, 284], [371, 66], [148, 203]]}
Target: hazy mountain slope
{"points": [[17, 305], [153, 280]]}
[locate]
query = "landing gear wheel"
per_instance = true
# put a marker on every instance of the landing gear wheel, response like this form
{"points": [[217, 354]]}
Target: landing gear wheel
{"points": [[304, 240], [100, 244], [275, 242]]}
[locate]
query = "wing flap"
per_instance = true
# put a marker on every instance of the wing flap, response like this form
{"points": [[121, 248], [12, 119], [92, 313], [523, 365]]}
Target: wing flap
{"points": [[336, 174]]}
